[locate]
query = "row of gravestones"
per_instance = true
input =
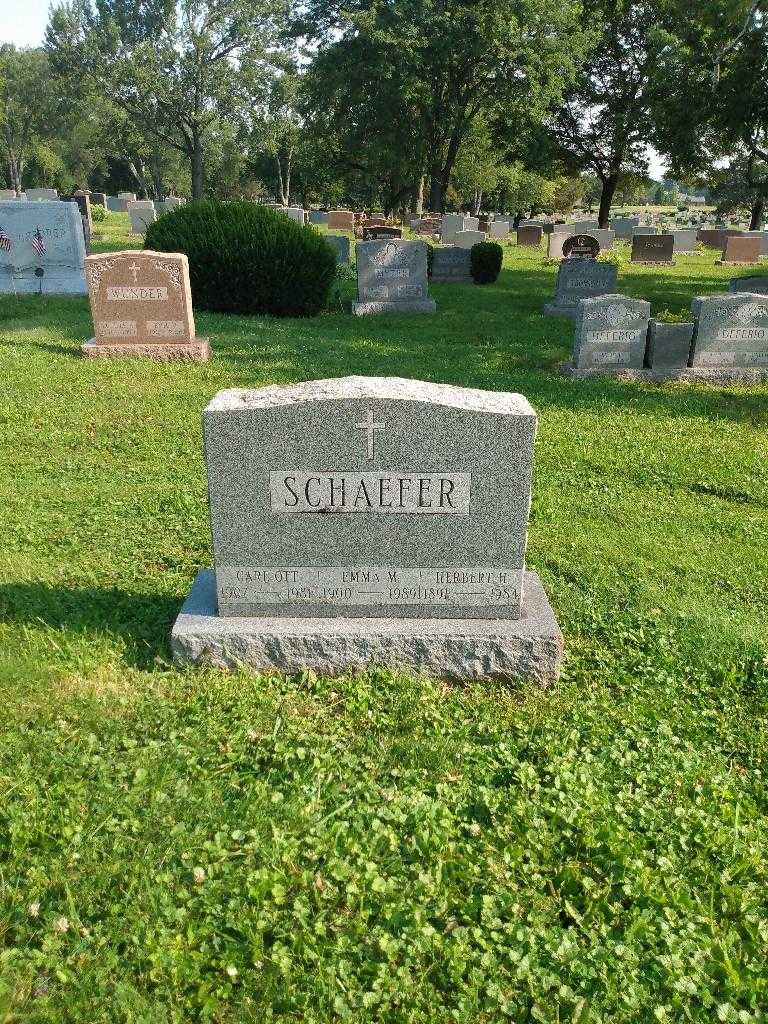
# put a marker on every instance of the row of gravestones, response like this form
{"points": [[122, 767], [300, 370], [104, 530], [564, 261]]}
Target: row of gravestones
{"points": [[727, 338]]}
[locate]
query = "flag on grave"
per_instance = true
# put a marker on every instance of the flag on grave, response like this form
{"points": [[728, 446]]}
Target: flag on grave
{"points": [[38, 244]]}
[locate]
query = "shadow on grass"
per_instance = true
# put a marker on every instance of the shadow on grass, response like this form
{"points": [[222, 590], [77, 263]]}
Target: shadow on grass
{"points": [[141, 622]]}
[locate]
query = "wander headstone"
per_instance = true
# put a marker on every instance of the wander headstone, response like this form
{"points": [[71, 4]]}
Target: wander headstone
{"points": [[669, 345], [739, 249], [37, 195], [751, 285], [731, 331], [611, 333], [370, 521], [530, 235], [466, 239], [42, 249], [341, 244], [341, 220], [141, 305], [653, 249], [451, 265], [580, 279], [392, 278], [141, 214]]}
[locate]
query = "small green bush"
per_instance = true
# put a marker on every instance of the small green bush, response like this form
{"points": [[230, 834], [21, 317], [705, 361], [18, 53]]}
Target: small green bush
{"points": [[666, 316], [430, 258], [98, 214], [486, 259], [245, 258]]}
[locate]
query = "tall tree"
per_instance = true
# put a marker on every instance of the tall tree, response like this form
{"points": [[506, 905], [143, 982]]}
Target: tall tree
{"points": [[448, 62], [175, 67], [26, 107], [604, 123]]}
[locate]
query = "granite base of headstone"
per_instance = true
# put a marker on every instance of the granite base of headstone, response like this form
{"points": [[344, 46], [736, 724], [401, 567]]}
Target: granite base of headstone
{"points": [[141, 306], [370, 522], [392, 278]]}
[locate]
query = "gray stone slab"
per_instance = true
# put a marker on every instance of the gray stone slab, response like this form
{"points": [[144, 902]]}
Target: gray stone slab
{"points": [[580, 279], [46, 248], [611, 330], [731, 331], [341, 245], [669, 345], [466, 239], [653, 249], [753, 285], [451, 264], [529, 648], [318, 217], [685, 240], [369, 496], [392, 277]]}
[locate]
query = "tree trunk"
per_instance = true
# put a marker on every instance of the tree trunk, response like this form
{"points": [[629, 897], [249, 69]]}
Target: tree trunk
{"points": [[758, 209], [436, 193], [606, 198], [417, 199], [15, 169], [196, 160]]}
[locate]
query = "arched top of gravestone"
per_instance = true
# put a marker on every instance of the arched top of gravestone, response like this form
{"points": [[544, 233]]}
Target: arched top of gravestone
{"points": [[581, 247]]}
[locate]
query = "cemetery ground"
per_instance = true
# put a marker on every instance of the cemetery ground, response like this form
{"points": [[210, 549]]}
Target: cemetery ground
{"points": [[190, 845]]}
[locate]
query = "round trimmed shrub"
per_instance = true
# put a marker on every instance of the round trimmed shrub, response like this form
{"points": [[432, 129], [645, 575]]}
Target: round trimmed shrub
{"points": [[485, 265], [245, 258]]}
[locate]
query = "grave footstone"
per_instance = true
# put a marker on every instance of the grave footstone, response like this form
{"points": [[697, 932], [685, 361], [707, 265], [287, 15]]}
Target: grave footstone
{"points": [[43, 248], [579, 279], [341, 220], [392, 278], [530, 235], [451, 264], [739, 250], [340, 244], [611, 334], [653, 249], [370, 522], [141, 305], [730, 331]]}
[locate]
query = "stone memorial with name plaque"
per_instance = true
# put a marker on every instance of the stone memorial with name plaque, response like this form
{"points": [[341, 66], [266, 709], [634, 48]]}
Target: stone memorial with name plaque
{"points": [[731, 332], [370, 521], [392, 278], [611, 333], [43, 249], [740, 249], [341, 220], [653, 249], [451, 265], [580, 279], [142, 306]]}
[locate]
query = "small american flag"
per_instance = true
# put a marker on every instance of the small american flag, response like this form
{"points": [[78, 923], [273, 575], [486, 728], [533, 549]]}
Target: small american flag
{"points": [[5, 242], [38, 244]]}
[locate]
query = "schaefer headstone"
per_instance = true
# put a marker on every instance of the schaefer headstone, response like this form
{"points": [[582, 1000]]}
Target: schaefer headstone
{"points": [[580, 279], [392, 278], [42, 248], [370, 521], [142, 306], [731, 332], [451, 265], [611, 333], [653, 249]]}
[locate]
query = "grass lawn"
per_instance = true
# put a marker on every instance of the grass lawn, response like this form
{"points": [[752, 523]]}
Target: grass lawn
{"points": [[190, 846]]}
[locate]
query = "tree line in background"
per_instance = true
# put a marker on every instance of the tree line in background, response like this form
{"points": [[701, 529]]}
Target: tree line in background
{"points": [[515, 105]]}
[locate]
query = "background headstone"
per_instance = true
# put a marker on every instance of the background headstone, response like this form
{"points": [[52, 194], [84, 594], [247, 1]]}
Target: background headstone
{"points": [[318, 217], [341, 220], [530, 235], [739, 249], [751, 285], [142, 214], [451, 264], [341, 245], [466, 239], [36, 195], [685, 240], [653, 248], [498, 229], [641, 229], [391, 278], [611, 333], [579, 279], [44, 235], [581, 246]]}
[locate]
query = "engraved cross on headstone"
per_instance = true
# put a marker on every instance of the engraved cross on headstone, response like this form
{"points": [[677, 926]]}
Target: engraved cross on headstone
{"points": [[371, 427], [134, 268]]}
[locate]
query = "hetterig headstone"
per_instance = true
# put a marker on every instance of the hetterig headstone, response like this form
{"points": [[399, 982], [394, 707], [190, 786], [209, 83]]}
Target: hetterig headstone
{"points": [[392, 278], [42, 248], [611, 333], [366, 521], [731, 331]]}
